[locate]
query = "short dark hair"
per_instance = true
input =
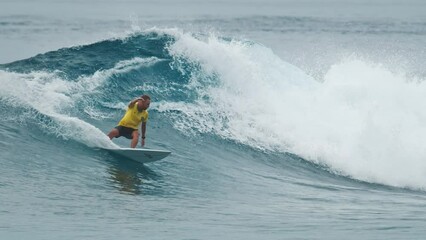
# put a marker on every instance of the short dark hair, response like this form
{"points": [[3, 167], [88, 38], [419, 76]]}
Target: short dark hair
{"points": [[145, 97]]}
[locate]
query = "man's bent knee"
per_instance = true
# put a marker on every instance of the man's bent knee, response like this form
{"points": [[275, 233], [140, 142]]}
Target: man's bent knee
{"points": [[113, 133], [135, 135]]}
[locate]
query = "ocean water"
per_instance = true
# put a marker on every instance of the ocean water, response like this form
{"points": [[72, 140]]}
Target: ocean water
{"points": [[286, 119]]}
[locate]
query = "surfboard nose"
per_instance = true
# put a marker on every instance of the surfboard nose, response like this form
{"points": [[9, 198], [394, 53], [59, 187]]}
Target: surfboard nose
{"points": [[140, 154]]}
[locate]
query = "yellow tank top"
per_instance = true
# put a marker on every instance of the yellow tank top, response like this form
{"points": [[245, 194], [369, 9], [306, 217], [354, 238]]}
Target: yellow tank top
{"points": [[133, 117]]}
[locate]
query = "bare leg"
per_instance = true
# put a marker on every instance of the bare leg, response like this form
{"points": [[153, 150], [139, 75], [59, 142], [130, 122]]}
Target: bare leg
{"points": [[135, 137], [114, 133]]}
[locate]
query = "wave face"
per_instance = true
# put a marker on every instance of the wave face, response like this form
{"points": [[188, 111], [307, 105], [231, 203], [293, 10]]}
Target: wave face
{"points": [[362, 120]]}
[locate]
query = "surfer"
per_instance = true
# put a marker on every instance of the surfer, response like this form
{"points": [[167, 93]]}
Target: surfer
{"points": [[135, 115]]}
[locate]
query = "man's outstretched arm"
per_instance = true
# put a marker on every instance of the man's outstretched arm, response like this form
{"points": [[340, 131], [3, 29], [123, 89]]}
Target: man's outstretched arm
{"points": [[143, 130]]}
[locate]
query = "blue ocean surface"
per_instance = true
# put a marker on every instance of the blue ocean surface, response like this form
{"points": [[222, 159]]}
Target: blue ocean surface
{"points": [[285, 119]]}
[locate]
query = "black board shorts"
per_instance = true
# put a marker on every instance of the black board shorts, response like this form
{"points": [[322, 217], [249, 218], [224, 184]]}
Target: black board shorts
{"points": [[125, 132]]}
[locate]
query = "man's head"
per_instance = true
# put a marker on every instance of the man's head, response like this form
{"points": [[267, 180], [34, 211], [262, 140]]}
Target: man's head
{"points": [[143, 104]]}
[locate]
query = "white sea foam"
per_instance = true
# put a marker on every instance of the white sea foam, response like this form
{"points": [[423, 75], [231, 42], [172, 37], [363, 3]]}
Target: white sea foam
{"points": [[362, 120], [49, 95]]}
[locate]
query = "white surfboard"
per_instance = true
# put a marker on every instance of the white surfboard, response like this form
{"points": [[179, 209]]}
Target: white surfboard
{"points": [[142, 155]]}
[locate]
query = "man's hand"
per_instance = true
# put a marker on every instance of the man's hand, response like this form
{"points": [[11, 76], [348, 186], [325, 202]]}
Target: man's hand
{"points": [[132, 103], [142, 142]]}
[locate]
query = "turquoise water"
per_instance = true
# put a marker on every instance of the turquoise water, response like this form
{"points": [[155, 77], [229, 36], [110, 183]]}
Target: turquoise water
{"points": [[287, 120]]}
